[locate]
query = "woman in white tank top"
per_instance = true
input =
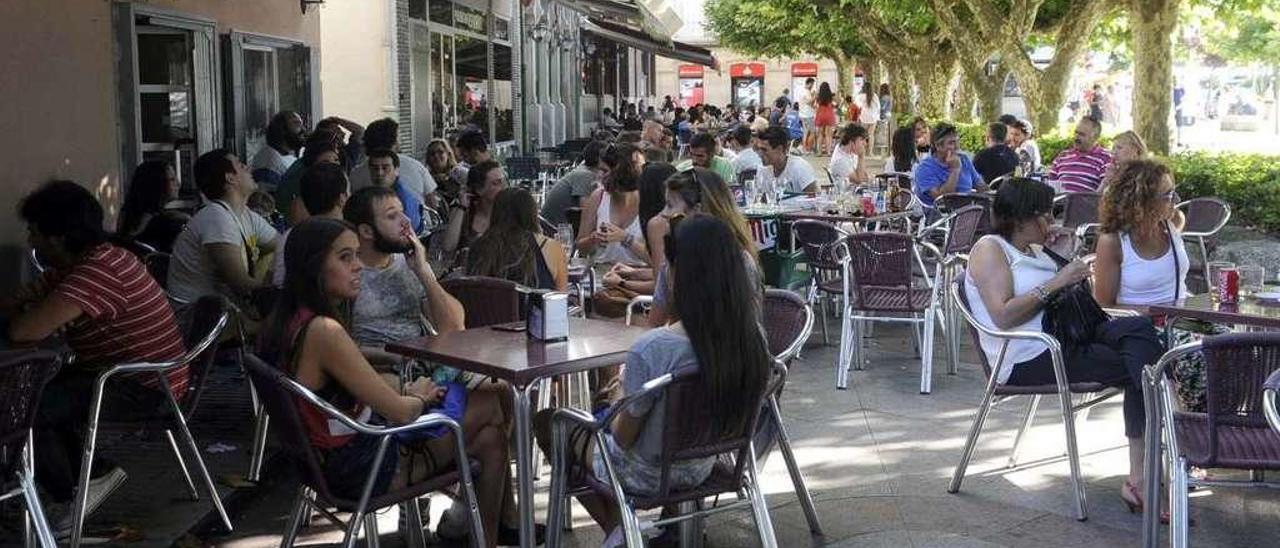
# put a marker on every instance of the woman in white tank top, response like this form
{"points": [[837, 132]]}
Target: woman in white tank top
{"points": [[610, 224], [1010, 280], [1141, 258]]}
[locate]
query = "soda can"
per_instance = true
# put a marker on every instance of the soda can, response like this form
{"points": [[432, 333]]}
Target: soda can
{"points": [[868, 206], [1228, 285]]}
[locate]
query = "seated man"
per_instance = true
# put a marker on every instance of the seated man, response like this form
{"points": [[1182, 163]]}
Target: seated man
{"points": [[324, 191], [792, 173], [397, 286], [946, 170], [997, 160], [384, 134], [747, 158], [1081, 167], [704, 153], [472, 148], [224, 241], [284, 143], [112, 312], [384, 168], [848, 161], [575, 185]]}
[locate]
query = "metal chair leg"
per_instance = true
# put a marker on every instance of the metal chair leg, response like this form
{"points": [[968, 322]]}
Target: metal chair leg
{"points": [[296, 518], [1022, 432], [1179, 510], [797, 480], [1073, 455], [926, 353], [413, 522], [199, 461], [182, 464], [972, 443], [260, 426], [759, 507], [556, 501], [36, 518], [631, 526], [690, 529], [371, 537], [844, 354], [860, 328], [86, 466]]}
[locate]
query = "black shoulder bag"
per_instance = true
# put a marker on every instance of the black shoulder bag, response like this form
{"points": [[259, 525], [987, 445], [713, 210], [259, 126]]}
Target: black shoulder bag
{"points": [[1072, 315]]}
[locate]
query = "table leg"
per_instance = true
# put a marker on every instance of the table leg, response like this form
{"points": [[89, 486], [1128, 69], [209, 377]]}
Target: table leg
{"points": [[524, 463]]}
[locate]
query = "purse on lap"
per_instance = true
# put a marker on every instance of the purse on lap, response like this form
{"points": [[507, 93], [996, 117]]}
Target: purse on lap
{"points": [[1072, 315]]}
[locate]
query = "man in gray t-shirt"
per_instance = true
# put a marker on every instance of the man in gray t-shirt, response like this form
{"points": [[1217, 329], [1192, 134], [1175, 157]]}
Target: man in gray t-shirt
{"points": [[388, 307], [570, 189]]}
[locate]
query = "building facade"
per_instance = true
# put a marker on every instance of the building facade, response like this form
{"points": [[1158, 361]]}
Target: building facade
{"points": [[92, 88]]}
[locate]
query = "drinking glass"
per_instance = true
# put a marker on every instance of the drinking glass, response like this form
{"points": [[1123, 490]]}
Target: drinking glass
{"points": [[1211, 270], [564, 235], [779, 190], [1251, 278], [752, 192]]}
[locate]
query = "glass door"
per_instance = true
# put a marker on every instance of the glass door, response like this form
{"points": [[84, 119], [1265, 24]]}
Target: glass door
{"points": [[166, 97], [444, 84]]}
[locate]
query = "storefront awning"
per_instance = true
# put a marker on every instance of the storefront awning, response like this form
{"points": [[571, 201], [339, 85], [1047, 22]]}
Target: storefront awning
{"points": [[639, 40], [656, 18]]}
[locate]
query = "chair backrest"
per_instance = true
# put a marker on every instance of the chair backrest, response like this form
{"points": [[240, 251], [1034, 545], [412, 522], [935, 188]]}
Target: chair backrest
{"points": [[692, 435], [158, 266], [549, 230], [880, 260], [282, 407], [788, 321], [1236, 367], [209, 317], [1080, 208], [901, 179], [23, 374], [953, 202], [820, 242], [487, 301], [1205, 215], [963, 230], [139, 249], [523, 168], [961, 300]]}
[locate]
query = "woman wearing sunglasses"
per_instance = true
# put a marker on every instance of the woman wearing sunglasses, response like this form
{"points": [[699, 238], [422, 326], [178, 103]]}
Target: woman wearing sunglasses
{"points": [[1141, 259]]}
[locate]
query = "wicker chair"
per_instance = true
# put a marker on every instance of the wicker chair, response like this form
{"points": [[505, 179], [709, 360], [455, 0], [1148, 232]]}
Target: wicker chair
{"points": [[176, 417], [823, 251], [960, 231], [1079, 208], [487, 301], [1232, 432], [282, 396], [1062, 388], [734, 472], [878, 280], [23, 375], [1205, 218], [948, 203]]}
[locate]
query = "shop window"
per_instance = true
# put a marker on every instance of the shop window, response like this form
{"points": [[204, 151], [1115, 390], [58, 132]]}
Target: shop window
{"points": [[268, 75]]}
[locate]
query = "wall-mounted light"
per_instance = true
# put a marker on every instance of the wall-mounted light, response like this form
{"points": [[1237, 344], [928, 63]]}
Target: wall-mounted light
{"points": [[308, 3]]}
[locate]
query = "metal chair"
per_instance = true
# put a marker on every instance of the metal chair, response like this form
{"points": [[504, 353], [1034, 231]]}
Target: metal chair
{"points": [[682, 439], [177, 415], [643, 303], [1205, 218], [961, 232], [1078, 208], [788, 323], [878, 280], [1062, 388], [1233, 432], [903, 180], [158, 266], [821, 244], [282, 396], [1269, 390], [523, 168], [23, 375], [948, 203]]}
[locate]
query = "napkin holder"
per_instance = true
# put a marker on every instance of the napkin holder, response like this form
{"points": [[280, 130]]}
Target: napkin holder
{"points": [[548, 317]]}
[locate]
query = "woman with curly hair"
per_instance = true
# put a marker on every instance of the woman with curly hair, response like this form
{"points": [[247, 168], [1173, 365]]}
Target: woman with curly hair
{"points": [[1141, 259]]}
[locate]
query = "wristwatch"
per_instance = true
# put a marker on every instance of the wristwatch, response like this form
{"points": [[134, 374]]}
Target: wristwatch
{"points": [[1042, 294]]}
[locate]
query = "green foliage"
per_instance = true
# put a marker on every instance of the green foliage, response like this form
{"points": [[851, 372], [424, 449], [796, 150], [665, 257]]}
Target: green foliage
{"points": [[1249, 182], [781, 28]]}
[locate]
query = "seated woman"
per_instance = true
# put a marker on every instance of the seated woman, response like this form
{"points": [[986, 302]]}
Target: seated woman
{"points": [[472, 215], [1125, 147], [719, 335], [653, 189], [692, 192], [610, 225], [1141, 258], [1010, 278], [449, 176], [515, 249], [143, 216], [307, 338]]}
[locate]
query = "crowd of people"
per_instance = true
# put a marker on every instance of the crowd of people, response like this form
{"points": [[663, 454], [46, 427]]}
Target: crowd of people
{"points": [[319, 242]]}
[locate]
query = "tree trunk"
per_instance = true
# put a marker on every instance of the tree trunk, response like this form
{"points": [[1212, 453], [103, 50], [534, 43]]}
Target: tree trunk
{"points": [[1153, 23], [867, 65], [932, 73], [965, 99], [844, 72], [900, 84], [990, 91]]}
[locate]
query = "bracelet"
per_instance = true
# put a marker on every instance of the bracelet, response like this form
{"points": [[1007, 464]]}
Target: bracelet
{"points": [[1042, 294]]}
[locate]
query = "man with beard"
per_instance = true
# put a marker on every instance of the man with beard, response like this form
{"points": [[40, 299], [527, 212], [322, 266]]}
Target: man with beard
{"points": [[284, 142], [1081, 167], [397, 286]]}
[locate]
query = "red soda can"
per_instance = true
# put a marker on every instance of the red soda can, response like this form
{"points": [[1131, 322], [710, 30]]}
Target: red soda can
{"points": [[1228, 285], [868, 206]]}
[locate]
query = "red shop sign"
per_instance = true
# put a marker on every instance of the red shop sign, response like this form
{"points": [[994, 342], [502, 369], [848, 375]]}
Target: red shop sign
{"points": [[746, 70], [804, 69], [690, 71]]}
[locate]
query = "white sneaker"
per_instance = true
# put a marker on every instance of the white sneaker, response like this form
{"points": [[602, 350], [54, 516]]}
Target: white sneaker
{"points": [[99, 489]]}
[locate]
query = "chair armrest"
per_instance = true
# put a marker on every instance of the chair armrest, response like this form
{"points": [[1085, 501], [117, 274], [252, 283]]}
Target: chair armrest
{"points": [[584, 419], [424, 421], [1273, 382], [638, 300], [1121, 312], [1269, 389], [136, 368], [1083, 230]]}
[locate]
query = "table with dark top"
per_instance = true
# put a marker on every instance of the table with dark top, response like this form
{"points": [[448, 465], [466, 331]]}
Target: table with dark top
{"points": [[522, 362]]}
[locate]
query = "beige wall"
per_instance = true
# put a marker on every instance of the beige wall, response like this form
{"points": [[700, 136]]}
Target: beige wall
{"points": [[58, 113], [717, 85], [357, 78]]}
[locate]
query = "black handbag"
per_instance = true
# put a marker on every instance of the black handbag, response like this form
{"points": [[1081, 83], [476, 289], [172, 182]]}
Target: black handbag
{"points": [[1072, 315]]}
